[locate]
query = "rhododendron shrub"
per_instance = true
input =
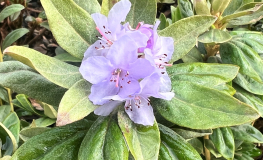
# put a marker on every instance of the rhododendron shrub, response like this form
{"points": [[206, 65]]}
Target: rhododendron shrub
{"points": [[138, 87]]}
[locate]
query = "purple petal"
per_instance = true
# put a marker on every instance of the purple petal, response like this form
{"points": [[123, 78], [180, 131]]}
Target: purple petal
{"points": [[96, 69], [118, 14], [165, 85], [95, 50], [101, 90], [141, 68], [167, 48], [150, 85], [139, 38], [143, 115], [128, 87], [123, 52], [166, 95], [107, 108], [149, 56]]}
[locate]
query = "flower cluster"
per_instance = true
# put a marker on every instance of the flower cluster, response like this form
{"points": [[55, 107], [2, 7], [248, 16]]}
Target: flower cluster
{"points": [[127, 65]]}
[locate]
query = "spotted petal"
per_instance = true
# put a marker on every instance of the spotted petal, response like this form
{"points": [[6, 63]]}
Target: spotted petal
{"points": [[143, 115]]}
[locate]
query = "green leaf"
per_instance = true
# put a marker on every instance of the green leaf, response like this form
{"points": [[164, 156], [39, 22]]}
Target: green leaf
{"points": [[23, 102], [248, 6], [9, 127], [248, 19], [104, 141], [13, 36], [9, 10], [187, 133], [3, 94], [249, 99], [214, 36], [194, 55], [175, 14], [107, 5], [250, 74], [175, 147], [63, 55], [185, 8], [43, 122], [91, 6], [5, 158], [28, 133], [209, 75], [142, 11], [45, 25], [232, 7], [50, 111], [143, 141], [219, 6], [58, 72], [211, 147], [247, 133], [72, 27], [199, 103], [75, 104], [60, 142], [185, 33], [21, 79], [197, 144], [201, 7], [165, 1], [224, 142], [162, 18]]}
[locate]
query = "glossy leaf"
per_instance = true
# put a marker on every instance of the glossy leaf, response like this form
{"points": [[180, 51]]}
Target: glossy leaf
{"points": [[43, 122], [247, 133], [143, 141], [107, 5], [58, 72], [13, 36], [50, 111], [185, 33], [91, 6], [201, 104], [174, 146], [72, 27], [75, 104], [21, 79], [223, 140], [142, 11], [62, 143], [250, 74], [9, 10], [28, 133], [214, 36], [104, 140]]}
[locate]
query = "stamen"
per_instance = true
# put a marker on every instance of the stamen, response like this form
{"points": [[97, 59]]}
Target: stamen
{"points": [[103, 35]]}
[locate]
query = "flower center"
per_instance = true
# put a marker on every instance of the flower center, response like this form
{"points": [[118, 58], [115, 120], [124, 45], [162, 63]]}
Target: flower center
{"points": [[137, 101], [120, 74]]}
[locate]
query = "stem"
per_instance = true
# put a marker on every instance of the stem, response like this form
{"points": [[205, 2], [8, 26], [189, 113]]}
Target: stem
{"points": [[1, 102], [1, 55], [10, 99], [207, 152]]}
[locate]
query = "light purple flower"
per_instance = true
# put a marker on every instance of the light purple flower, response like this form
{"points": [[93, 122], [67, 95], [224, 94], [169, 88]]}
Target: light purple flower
{"points": [[111, 30], [137, 105], [117, 73]]}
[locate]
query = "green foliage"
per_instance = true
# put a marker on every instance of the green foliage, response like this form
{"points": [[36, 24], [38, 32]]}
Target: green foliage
{"points": [[10, 10]]}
